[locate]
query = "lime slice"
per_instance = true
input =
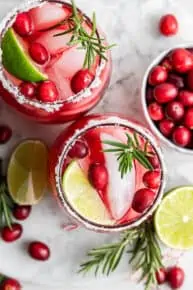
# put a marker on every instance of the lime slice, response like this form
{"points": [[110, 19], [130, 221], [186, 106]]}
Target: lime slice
{"points": [[83, 197], [174, 218], [16, 61], [27, 172]]}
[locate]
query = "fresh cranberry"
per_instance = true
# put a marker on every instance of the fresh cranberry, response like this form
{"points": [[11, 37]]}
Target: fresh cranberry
{"points": [[168, 25], [176, 80], [175, 277], [186, 98], [149, 96], [175, 111], [39, 251], [151, 179], [182, 60], [167, 64], [181, 136], [5, 134], [10, 284], [12, 234], [157, 75], [23, 24], [98, 176], [81, 80], [165, 93], [153, 159], [79, 150], [188, 118], [28, 89], [161, 276], [166, 127], [38, 53], [155, 111], [47, 92], [190, 80], [143, 199], [21, 212]]}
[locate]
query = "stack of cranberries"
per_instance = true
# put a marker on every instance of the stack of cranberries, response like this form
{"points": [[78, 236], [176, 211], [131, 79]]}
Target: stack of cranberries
{"points": [[169, 96]]}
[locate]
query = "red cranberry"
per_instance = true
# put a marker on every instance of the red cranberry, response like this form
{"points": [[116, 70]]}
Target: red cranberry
{"points": [[39, 251], [176, 80], [12, 234], [5, 134], [143, 199], [188, 118], [155, 111], [23, 24], [98, 176], [165, 93], [166, 127], [81, 80], [157, 75], [38, 53], [181, 136], [10, 284], [190, 80], [28, 89], [186, 98], [151, 179], [182, 60], [175, 111], [79, 150], [149, 96], [161, 276], [168, 25], [175, 277], [21, 212], [47, 92], [167, 64], [153, 159]]}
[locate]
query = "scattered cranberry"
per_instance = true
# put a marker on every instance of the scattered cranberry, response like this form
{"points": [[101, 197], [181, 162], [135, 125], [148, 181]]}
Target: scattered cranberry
{"points": [[175, 277], [168, 25], [151, 179], [12, 234], [188, 118], [186, 98], [5, 134], [39, 251], [10, 284], [167, 64], [176, 80], [182, 60], [181, 136], [156, 111], [190, 80], [175, 111], [21, 212], [79, 150], [23, 24], [47, 92], [38, 53], [161, 276], [166, 127], [149, 96], [154, 161], [165, 93], [157, 75], [81, 80], [98, 176], [28, 89], [143, 199]]}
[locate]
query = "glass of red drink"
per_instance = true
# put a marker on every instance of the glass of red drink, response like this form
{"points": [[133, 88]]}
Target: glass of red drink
{"points": [[55, 63]]}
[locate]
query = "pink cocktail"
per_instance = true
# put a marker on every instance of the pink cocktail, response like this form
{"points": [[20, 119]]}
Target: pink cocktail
{"points": [[55, 63], [107, 172]]}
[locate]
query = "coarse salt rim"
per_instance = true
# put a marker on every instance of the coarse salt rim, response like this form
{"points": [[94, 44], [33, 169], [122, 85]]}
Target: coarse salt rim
{"points": [[6, 23]]}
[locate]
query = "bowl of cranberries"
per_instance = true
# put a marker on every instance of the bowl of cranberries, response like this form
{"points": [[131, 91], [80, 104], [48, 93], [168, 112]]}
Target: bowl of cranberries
{"points": [[167, 97]]}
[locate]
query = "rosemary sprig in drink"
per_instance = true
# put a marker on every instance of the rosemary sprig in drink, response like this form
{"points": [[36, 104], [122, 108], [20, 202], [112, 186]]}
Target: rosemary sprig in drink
{"points": [[6, 204]]}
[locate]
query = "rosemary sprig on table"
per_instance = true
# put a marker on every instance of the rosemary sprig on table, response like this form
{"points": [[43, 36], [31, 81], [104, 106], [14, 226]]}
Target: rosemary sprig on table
{"points": [[6, 204], [91, 42], [145, 254], [127, 153]]}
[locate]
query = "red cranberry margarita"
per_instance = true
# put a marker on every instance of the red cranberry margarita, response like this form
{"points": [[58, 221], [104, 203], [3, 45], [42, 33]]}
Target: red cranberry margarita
{"points": [[107, 172], [55, 64]]}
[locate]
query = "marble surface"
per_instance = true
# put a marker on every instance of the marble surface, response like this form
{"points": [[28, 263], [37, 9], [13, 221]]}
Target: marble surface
{"points": [[133, 26]]}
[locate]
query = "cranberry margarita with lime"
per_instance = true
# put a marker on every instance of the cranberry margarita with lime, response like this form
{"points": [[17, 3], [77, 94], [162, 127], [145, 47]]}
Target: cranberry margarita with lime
{"points": [[107, 172], [55, 64]]}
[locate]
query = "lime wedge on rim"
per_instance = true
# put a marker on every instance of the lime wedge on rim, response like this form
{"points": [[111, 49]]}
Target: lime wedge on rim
{"points": [[27, 172], [174, 218], [83, 197], [16, 60]]}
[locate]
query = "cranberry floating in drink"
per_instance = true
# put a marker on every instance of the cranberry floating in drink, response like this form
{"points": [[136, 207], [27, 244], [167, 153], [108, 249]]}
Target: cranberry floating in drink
{"points": [[102, 171], [55, 63]]}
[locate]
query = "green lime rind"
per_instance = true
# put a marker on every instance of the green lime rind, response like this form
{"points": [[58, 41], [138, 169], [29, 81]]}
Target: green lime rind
{"points": [[16, 61]]}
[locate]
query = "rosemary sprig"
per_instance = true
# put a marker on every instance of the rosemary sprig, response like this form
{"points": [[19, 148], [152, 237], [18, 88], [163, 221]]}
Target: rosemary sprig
{"points": [[91, 42], [127, 153], [6, 204]]}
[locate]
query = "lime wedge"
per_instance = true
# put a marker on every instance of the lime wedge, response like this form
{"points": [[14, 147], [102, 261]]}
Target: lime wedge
{"points": [[16, 61], [27, 172], [174, 218], [83, 197]]}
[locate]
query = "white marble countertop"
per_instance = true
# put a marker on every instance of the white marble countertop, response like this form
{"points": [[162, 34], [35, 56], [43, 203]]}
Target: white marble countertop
{"points": [[133, 26]]}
